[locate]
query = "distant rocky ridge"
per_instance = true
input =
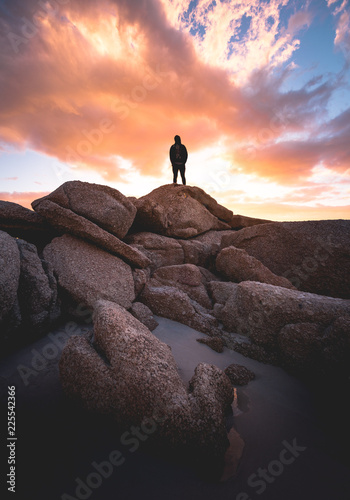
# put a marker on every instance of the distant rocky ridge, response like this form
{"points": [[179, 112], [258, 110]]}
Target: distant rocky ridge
{"points": [[277, 292]]}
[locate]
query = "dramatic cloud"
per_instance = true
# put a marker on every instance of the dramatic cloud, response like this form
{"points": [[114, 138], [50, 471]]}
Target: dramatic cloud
{"points": [[101, 84]]}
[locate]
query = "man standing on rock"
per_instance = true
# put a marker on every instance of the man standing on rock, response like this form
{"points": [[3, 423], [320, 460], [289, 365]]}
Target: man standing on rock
{"points": [[178, 157]]}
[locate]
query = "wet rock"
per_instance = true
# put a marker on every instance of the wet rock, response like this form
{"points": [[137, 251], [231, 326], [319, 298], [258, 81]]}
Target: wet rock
{"points": [[103, 205], [260, 311], [212, 393], [215, 343], [144, 315], [170, 302], [309, 347], [180, 211], [299, 344], [132, 377], [286, 327], [236, 265], [239, 374], [313, 255], [87, 273]]}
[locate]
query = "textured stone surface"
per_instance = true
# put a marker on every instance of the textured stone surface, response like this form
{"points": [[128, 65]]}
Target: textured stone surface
{"points": [[239, 374], [103, 205], [37, 292], [136, 382], [261, 311], [87, 273], [13, 215], [185, 277], [170, 302], [67, 221], [221, 290], [236, 265], [161, 251], [299, 343], [215, 343], [144, 315], [141, 276], [180, 211], [9, 273], [313, 255]]}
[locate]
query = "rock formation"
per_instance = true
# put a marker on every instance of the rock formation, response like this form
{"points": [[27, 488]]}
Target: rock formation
{"points": [[277, 292], [236, 265], [29, 302], [313, 255], [37, 291], [66, 221], [130, 375], [215, 343], [180, 211], [239, 375], [289, 324], [103, 205], [23, 223], [86, 273], [9, 273], [144, 315]]}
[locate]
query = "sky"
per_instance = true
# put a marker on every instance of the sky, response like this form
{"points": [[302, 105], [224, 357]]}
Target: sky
{"points": [[259, 92]]}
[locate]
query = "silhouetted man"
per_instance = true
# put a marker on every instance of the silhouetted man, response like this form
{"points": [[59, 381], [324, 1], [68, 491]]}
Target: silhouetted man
{"points": [[178, 157]]}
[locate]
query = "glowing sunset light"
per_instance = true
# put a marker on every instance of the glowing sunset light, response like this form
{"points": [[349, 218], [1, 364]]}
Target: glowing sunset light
{"points": [[258, 91]]}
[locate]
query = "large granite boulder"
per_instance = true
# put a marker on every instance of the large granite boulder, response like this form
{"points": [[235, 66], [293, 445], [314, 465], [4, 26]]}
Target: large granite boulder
{"points": [[172, 303], [144, 314], [239, 374], [28, 293], [180, 212], [66, 221], [215, 343], [220, 291], [103, 205], [260, 310], [37, 291], [86, 273], [298, 329], [160, 250], [21, 222], [185, 277], [313, 255], [9, 273], [237, 265], [129, 374]]}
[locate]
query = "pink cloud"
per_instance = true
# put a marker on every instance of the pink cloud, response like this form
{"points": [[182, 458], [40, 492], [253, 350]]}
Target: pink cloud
{"points": [[100, 80], [22, 198]]}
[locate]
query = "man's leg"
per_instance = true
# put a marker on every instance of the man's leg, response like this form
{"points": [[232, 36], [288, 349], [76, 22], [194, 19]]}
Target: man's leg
{"points": [[182, 172], [175, 171]]}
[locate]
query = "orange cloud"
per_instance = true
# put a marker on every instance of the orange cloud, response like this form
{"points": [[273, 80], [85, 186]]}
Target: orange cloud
{"points": [[91, 82], [25, 199]]}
